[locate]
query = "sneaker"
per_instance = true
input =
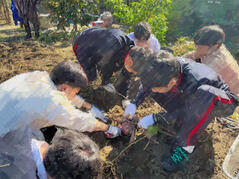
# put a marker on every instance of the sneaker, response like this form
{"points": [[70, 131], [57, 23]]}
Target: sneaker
{"points": [[37, 35], [173, 162], [28, 37]]}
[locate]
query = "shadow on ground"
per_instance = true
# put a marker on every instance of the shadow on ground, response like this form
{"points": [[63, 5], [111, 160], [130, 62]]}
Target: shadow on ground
{"points": [[11, 33], [143, 160]]}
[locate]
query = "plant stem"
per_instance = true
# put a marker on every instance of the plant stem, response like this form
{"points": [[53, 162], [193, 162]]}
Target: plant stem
{"points": [[6, 165], [126, 148]]}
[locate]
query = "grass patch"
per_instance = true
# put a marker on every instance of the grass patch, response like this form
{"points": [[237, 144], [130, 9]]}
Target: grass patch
{"points": [[10, 33], [50, 37], [183, 46]]}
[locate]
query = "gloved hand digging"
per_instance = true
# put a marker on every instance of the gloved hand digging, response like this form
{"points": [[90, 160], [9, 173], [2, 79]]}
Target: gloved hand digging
{"points": [[113, 132], [98, 113], [130, 110], [146, 121]]}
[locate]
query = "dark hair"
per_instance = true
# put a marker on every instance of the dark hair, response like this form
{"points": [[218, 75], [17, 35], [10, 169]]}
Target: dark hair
{"points": [[167, 63], [140, 55], [142, 30], [159, 69], [72, 155], [209, 35], [69, 73]]}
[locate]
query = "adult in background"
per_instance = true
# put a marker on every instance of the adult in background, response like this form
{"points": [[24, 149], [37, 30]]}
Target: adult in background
{"points": [[37, 99], [28, 11], [143, 37], [211, 51], [105, 20], [191, 93], [26, 155], [15, 15]]}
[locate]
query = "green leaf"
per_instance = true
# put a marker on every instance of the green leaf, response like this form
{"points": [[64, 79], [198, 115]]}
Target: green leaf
{"points": [[152, 130]]}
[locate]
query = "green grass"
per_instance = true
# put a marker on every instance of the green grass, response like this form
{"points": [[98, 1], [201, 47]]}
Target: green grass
{"points": [[10, 33], [183, 46]]}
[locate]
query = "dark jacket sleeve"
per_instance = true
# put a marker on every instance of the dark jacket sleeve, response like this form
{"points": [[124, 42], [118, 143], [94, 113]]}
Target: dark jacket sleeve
{"points": [[206, 103], [140, 96]]}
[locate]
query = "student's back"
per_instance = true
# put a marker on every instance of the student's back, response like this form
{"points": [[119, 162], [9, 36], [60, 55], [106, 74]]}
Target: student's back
{"points": [[102, 49], [33, 99]]}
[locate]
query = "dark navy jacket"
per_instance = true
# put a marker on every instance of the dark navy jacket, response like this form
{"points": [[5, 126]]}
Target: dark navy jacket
{"points": [[200, 95], [101, 49], [191, 77]]}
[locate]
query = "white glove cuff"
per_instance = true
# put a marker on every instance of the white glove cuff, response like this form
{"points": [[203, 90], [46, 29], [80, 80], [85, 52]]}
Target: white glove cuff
{"points": [[130, 110], [78, 101], [110, 88]]}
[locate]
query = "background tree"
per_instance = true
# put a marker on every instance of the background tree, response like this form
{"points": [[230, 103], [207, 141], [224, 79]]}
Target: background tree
{"points": [[187, 16], [153, 12], [4, 12], [65, 12]]}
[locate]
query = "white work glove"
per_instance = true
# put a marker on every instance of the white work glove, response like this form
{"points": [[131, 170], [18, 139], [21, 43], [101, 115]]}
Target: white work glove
{"points": [[146, 121], [125, 103], [98, 113], [110, 88], [113, 132], [130, 110]]}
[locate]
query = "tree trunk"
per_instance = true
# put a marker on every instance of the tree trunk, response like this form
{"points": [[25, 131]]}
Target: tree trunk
{"points": [[5, 11]]}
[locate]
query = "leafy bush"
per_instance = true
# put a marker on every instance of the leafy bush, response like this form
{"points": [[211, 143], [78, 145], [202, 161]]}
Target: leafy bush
{"points": [[65, 12], [50, 37], [187, 16], [153, 12], [183, 46], [53, 36]]}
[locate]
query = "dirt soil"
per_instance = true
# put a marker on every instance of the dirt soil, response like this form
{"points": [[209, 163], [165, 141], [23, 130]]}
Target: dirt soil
{"points": [[141, 160]]}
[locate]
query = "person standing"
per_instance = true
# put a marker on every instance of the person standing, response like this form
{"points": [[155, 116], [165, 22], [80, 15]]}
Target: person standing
{"points": [[15, 15], [28, 11]]}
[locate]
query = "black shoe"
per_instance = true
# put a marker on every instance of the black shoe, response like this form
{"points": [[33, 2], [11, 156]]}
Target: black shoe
{"points": [[28, 36], [173, 162], [37, 35]]}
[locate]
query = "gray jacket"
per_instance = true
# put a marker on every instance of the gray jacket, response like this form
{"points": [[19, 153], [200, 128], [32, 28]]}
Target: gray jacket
{"points": [[16, 154]]}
